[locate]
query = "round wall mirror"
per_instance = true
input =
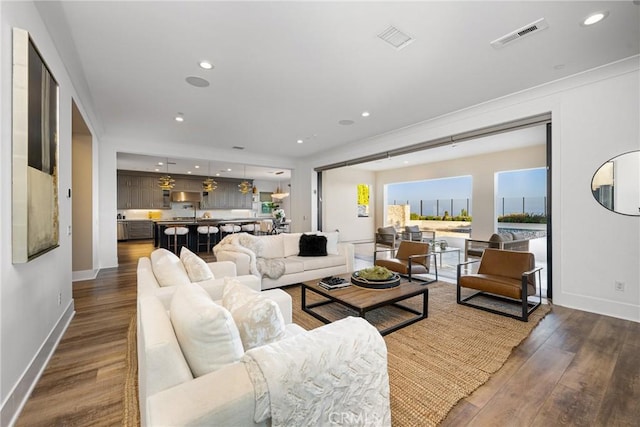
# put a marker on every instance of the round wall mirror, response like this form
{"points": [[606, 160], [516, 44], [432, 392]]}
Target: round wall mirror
{"points": [[616, 184]]}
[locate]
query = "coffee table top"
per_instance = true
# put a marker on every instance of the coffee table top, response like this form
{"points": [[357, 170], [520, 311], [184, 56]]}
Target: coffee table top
{"points": [[358, 297]]}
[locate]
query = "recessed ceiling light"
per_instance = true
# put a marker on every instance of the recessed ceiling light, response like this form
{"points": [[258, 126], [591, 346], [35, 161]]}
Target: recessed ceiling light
{"points": [[160, 163], [217, 174], [180, 117], [365, 114], [299, 141], [189, 172], [197, 166], [594, 18], [205, 65], [228, 169], [157, 170]]}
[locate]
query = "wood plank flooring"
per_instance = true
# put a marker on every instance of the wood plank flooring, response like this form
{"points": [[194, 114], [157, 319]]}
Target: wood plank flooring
{"points": [[575, 369]]}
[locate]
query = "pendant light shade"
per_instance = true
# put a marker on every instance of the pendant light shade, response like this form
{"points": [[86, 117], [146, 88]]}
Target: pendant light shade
{"points": [[245, 186], [279, 194], [165, 181], [209, 184]]}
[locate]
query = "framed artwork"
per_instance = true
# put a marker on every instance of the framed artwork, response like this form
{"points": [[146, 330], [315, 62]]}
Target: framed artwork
{"points": [[35, 222], [363, 200]]}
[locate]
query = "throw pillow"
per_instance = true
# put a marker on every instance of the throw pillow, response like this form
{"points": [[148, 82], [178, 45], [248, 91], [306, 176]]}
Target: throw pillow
{"points": [[197, 268], [313, 245], [258, 318], [272, 246], [168, 268], [332, 242], [291, 243], [207, 335]]}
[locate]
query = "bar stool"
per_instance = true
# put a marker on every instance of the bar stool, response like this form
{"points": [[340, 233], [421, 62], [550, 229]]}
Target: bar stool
{"points": [[230, 228], [249, 228], [175, 232], [208, 230]]}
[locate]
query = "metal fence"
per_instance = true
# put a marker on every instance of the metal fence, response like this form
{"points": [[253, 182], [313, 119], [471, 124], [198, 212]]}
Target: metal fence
{"points": [[437, 207], [521, 205], [454, 207]]}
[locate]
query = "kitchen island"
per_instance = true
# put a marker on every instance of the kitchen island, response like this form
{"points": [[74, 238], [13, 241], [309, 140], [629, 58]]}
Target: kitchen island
{"points": [[160, 240]]}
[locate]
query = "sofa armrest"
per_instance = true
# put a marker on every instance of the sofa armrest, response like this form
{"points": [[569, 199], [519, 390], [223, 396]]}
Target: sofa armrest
{"points": [[221, 398], [222, 269], [241, 260], [283, 300], [348, 251]]}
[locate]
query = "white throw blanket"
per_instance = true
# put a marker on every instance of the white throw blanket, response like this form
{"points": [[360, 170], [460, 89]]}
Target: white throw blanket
{"points": [[252, 246], [333, 375]]}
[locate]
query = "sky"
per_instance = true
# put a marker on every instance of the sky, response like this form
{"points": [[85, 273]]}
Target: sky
{"points": [[512, 185]]}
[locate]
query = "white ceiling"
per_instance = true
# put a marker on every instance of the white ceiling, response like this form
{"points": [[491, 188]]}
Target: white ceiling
{"points": [[292, 70]]}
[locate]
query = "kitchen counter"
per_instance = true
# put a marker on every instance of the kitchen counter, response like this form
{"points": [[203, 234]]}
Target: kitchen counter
{"points": [[160, 239]]}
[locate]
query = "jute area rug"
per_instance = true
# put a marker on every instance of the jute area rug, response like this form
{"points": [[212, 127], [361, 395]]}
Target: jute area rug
{"points": [[438, 361]]}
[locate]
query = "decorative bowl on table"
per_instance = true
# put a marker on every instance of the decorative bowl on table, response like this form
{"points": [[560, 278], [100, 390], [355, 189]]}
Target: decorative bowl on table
{"points": [[375, 278]]}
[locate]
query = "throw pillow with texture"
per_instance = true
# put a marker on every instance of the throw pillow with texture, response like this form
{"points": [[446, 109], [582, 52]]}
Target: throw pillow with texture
{"points": [[313, 245], [197, 268], [291, 243], [258, 318], [332, 241], [168, 268], [206, 332]]}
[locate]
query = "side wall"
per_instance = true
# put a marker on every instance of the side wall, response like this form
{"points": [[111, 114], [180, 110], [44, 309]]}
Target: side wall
{"points": [[36, 297], [595, 117], [340, 206]]}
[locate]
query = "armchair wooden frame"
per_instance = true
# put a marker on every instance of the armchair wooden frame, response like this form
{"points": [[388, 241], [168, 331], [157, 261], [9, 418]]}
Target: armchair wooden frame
{"points": [[527, 306], [409, 264]]}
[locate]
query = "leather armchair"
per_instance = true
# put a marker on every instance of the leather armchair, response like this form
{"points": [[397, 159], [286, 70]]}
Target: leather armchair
{"points": [[505, 275]]}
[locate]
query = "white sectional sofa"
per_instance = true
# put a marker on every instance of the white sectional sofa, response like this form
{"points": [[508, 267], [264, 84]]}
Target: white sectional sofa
{"points": [[245, 251], [253, 387]]}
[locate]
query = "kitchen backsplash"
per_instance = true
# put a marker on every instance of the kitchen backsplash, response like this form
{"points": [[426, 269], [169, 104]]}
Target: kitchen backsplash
{"points": [[179, 210]]}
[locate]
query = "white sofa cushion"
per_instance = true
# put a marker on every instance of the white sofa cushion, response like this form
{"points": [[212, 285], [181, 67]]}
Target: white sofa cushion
{"points": [[168, 268], [205, 330], [197, 269], [272, 246], [257, 318], [293, 264], [163, 366], [315, 263], [291, 243]]}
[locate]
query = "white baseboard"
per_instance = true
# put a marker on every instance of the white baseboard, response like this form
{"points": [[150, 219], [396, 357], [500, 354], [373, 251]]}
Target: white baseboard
{"points": [[77, 276], [17, 398]]}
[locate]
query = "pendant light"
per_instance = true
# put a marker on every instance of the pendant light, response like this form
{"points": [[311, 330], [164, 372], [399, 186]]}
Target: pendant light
{"points": [[245, 187], [279, 194], [165, 181], [209, 184]]}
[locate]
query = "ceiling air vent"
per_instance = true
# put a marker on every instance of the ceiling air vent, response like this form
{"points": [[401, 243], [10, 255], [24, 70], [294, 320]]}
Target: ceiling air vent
{"points": [[237, 147], [396, 38], [525, 31]]}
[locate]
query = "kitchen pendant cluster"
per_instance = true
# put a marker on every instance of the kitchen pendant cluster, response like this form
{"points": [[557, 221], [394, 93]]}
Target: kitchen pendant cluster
{"points": [[279, 194], [165, 181], [245, 186], [209, 184]]}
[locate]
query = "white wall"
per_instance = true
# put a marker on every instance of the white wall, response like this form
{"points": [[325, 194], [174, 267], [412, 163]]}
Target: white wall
{"points": [[595, 117], [36, 297], [482, 168], [340, 204]]}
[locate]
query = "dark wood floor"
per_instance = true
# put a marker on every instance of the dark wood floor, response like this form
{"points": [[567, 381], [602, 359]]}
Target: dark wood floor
{"points": [[576, 368]]}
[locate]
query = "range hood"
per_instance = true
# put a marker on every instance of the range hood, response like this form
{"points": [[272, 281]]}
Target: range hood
{"points": [[186, 196]]}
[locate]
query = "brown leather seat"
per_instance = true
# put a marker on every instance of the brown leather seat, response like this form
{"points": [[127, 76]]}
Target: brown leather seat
{"points": [[503, 273]]}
